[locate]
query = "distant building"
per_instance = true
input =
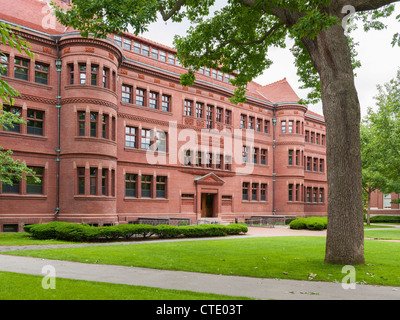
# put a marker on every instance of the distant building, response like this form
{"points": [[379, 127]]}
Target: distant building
{"points": [[108, 126]]}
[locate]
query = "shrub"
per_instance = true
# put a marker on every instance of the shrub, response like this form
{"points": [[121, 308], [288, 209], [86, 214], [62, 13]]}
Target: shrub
{"points": [[385, 219], [46, 230], [311, 223], [298, 224], [167, 231], [236, 228]]}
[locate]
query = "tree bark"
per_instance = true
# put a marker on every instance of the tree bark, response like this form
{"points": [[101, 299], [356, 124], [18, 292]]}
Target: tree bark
{"points": [[330, 54]]}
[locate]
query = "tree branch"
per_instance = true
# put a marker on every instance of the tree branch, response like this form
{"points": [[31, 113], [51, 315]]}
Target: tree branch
{"points": [[366, 5], [174, 9], [262, 39]]}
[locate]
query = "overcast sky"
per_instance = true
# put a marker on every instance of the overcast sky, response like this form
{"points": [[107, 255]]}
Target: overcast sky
{"points": [[380, 61]]}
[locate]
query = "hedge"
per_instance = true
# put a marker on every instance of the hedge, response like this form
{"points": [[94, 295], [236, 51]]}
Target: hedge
{"points": [[383, 219], [85, 233], [311, 223]]}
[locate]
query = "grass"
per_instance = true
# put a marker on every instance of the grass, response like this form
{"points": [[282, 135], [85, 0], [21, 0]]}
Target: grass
{"points": [[16, 286], [387, 234], [270, 257], [23, 239]]}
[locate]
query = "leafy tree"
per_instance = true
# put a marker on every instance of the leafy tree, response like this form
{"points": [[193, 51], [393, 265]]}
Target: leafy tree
{"points": [[380, 141], [237, 38], [11, 170]]}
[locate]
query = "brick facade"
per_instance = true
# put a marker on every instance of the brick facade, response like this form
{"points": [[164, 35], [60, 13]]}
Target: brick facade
{"points": [[109, 133]]}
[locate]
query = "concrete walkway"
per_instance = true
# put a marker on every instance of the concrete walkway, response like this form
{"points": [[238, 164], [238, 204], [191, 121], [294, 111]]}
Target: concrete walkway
{"points": [[230, 285]]}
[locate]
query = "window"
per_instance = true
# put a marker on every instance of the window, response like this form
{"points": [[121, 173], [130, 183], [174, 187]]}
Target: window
{"points": [[104, 182], [41, 73], [214, 74], [228, 162], [104, 126], [297, 157], [14, 188], [187, 158], [106, 73], [254, 191], [126, 93], [290, 127], [21, 69], [163, 56], [146, 139], [199, 110], [35, 122], [315, 191], [161, 187], [171, 58], [245, 152], [298, 127], [160, 141], [307, 136], [81, 123], [71, 73], [321, 165], [266, 126], [321, 195], [130, 185], [15, 126], [387, 198], [154, 53], [312, 137], [317, 139], [93, 124], [140, 97], [259, 124], [226, 77], [245, 191], [323, 139], [209, 161], [118, 40], [315, 164], [82, 74], [263, 159], [127, 44], [251, 123], [263, 192], [243, 121], [228, 116], [210, 113], [283, 124], [218, 161], [146, 186], [199, 157], [218, 115], [93, 181], [207, 72], [255, 155], [188, 108], [145, 50], [309, 163], [93, 71], [81, 180], [153, 100], [290, 196], [165, 102], [136, 47], [4, 65], [290, 157], [308, 197], [130, 137], [297, 192]]}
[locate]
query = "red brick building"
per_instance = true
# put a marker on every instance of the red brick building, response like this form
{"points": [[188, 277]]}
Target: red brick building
{"points": [[114, 136]]}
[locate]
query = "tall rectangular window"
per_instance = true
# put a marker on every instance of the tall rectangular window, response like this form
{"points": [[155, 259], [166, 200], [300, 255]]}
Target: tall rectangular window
{"points": [[71, 73], [118, 40], [82, 74], [266, 126], [146, 139], [106, 74], [290, 195], [165, 102], [199, 110], [243, 121], [263, 192], [93, 181], [263, 157], [130, 137], [161, 184], [188, 108], [126, 93], [171, 58], [140, 99], [105, 125], [21, 69], [218, 114], [321, 195], [163, 56], [283, 123], [136, 47], [245, 191], [35, 119], [93, 78], [145, 50], [93, 124], [81, 180], [81, 123], [290, 126], [254, 191], [290, 157], [41, 73], [153, 100], [146, 186], [127, 44], [228, 115], [251, 123], [154, 53], [104, 182], [15, 127], [130, 185], [255, 155], [161, 141], [4, 65], [210, 114], [245, 154]]}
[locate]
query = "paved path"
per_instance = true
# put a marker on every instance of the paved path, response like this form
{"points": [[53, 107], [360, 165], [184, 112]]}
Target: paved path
{"points": [[230, 285]]}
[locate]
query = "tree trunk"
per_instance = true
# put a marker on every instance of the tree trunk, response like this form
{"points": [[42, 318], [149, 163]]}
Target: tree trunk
{"points": [[330, 54]]}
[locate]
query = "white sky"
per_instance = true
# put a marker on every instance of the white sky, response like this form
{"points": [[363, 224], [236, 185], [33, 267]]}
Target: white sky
{"points": [[380, 61]]}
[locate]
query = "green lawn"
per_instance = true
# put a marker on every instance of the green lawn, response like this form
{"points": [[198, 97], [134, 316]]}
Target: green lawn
{"points": [[23, 239], [270, 257], [388, 234], [16, 286]]}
